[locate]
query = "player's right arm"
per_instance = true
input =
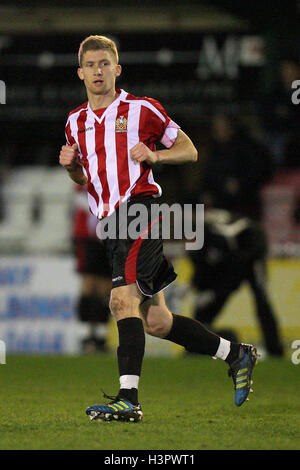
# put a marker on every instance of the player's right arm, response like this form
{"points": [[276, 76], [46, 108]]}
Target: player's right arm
{"points": [[68, 158]]}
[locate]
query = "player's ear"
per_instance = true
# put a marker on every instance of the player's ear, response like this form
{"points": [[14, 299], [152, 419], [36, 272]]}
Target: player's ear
{"points": [[79, 73], [118, 70]]}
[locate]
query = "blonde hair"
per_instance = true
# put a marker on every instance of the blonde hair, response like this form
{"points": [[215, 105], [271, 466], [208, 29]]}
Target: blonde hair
{"points": [[95, 43]]}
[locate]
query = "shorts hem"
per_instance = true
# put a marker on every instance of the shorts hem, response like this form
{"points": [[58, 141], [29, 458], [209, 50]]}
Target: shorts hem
{"points": [[156, 292]]}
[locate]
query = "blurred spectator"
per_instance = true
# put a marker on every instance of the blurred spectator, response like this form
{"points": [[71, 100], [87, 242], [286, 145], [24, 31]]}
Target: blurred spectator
{"points": [[93, 266], [235, 170], [234, 251], [2, 211], [281, 117]]}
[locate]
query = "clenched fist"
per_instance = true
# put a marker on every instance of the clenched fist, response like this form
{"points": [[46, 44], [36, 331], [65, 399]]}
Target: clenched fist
{"points": [[68, 157], [140, 153]]}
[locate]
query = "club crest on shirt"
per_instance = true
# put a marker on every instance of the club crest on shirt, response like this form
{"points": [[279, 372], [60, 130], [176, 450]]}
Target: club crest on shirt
{"points": [[121, 124]]}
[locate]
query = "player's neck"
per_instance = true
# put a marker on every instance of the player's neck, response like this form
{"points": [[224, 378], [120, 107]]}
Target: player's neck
{"points": [[102, 101]]}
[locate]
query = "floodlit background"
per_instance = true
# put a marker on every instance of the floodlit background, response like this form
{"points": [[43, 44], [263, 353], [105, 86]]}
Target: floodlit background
{"points": [[202, 61]]}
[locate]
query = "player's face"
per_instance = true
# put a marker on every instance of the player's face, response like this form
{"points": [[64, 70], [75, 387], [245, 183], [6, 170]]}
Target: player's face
{"points": [[99, 71]]}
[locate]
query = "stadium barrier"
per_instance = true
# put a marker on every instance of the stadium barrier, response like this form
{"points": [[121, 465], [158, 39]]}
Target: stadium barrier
{"points": [[37, 211]]}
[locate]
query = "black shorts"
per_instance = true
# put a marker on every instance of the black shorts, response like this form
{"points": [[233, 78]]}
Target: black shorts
{"points": [[91, 257], [139, 259]]}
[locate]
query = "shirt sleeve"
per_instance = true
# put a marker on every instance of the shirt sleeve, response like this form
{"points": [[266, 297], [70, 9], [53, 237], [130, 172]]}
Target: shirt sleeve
{"points": [[162, 126], [170, 134], [69, 138], [70, 141]]}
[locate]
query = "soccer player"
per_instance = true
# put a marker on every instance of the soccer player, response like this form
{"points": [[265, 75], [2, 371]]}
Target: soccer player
{"points": [[111, 147], [93, 268]]}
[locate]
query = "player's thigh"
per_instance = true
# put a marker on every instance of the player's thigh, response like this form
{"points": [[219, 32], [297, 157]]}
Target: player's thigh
{"points": [[125, 302]]}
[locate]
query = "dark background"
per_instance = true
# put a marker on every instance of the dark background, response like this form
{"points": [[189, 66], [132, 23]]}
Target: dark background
{"points": [[39, 62]]}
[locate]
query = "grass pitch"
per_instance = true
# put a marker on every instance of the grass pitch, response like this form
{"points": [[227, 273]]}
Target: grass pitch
{"points": [[187, 404]]}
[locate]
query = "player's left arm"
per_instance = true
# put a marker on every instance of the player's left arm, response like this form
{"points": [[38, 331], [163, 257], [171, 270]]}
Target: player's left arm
{"points": [[182, 151]]}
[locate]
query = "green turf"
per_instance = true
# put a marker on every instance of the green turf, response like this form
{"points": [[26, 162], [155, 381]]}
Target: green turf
{"points": [[187, 404]]}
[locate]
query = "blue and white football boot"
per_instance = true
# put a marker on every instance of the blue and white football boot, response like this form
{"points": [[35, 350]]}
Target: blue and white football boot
{"points": [[119, 409], [241, 372]]}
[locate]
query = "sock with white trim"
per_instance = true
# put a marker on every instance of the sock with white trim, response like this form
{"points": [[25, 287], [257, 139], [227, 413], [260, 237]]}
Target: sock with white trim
{"points": [[197, 339], [130, 356], [193, 336]]}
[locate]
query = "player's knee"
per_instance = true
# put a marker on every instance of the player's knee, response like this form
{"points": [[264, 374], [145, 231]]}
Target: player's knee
{"points": [[119, 306]]}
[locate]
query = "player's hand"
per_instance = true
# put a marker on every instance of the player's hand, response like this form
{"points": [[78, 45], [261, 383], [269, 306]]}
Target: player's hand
{"points": [[68, 157], [141, 153]]}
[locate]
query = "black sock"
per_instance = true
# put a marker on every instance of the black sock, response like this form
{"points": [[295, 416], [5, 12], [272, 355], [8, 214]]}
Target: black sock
{"points": [[130, 352], [131, 395], [193, 336], [233, 353]]}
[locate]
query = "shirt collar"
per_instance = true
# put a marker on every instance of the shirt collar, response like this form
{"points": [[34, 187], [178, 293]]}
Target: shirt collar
{"points": [[115, 103]]}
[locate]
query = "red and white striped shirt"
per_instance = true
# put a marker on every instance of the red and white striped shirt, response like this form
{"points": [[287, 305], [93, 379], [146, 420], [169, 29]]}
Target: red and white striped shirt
{"points": [[105, 137]]}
